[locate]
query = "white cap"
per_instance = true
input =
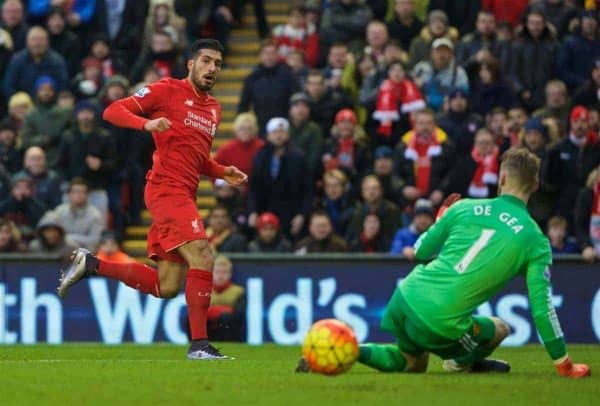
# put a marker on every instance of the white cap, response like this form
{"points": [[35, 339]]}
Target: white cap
{"points": [[277, 123], [441, 42]]}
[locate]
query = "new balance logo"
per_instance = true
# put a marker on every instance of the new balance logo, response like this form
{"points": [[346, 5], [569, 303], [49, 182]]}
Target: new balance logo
{"points": [[189, 102]]}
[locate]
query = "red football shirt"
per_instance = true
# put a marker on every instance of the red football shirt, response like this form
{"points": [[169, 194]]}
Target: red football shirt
{"points": [[183, 151]]}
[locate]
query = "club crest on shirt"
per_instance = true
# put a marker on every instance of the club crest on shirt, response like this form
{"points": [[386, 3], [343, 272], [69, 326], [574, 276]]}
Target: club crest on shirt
{"points": [[142, 92], [189, 102], [195, 226]]}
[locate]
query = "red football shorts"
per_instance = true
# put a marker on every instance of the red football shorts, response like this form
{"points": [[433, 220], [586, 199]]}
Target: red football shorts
{"points": [[175, 221]]}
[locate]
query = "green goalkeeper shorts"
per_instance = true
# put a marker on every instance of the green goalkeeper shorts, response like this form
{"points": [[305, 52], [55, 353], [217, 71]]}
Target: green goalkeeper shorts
{"points": [[414, 338]]}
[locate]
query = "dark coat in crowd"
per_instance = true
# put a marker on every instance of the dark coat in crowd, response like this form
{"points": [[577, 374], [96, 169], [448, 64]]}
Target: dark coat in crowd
{"points": [[22, 72], [485, 97], [288, 195], [389, 214], [46, 187], [76, 146], [576, 59], [404, 33], [583, 213], [267, 91], [333, 243], [68, 46], [533, 65], [461, 128], [308, 138], [461, 14], [18, 33], [25, 213], [566, 171], [323, 111], [344, 23], [475, 42], [279, 245], [234, 242]]}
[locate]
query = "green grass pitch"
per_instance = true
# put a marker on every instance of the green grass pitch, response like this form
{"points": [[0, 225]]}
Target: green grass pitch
{"points": [[159, 374]]}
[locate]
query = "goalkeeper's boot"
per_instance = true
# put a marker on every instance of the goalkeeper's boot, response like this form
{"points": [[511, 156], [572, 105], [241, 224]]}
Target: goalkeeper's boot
{"points": [[486, 365], [83, 265], [205, 352], [302, 366]]}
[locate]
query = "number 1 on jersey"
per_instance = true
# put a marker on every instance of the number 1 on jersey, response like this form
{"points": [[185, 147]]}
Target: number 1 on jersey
{"points": [[482, 241]]}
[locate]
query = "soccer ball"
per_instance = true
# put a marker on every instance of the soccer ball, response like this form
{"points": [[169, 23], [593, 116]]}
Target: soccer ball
{"points": [[330, 347]]}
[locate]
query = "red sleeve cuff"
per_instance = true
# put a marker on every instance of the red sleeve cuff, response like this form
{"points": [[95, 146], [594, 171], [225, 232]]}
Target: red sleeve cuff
{"points": [[214, 170]]}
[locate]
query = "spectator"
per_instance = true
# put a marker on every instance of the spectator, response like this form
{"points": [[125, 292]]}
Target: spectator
{"points": [[440, 74], [116, 87], [406, 237], [110, 251], [231, 198], [509, 11], [398, 96], [437, 27], [241, 150], [278, 182], [570, 162], [589, 93], [19, 105], [10, 237], [10, 157], [120, 24], [227, 309], [557, 105], [579, 52], [424, 159], [271, 75], [324, 102], [345, 21], [339, 63], [295, 61], [50, 238], [63, 41], [27, 66], [559, 240], [77, 12], [377, 38], [369, 240], [163, 56], [82, 222], [533, 58], [559, 13], [4, 183], [459, 122], [461, 14], [297, 35], [383, 168], [90, 152], [490, 88], [405, 24], [587, 217], [305, 134], [374, 203], [162, 17], [13, 21], [321, 237], [21, 207], [45, 182], [268, 236], [221, 232], [6, 50], [482, 45], [89, 81], [348, 147], [44, 125], [112, 63], [337, 199], [517, 117], [497, 123], [486, 156]]}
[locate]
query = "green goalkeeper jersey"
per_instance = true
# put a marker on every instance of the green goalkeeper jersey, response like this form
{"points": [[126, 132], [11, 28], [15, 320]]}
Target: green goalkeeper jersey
{"points": [[482, 245]]}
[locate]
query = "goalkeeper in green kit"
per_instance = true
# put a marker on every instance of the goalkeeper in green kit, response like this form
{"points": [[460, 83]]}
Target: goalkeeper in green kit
{"points": [[480, 246]]}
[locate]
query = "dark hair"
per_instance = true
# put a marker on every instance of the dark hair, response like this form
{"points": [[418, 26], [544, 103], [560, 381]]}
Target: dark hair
{"points": [[315, 72], [267, 43], [78, 181], [394, 63], [493, 66], [206, 43]]}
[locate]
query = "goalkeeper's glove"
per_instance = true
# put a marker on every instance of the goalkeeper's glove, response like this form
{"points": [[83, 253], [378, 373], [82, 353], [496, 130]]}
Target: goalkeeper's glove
{"points": [[449, 201], [567, 369]]}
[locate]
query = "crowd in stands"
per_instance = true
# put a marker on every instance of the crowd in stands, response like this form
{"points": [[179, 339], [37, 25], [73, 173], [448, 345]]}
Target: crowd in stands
{"points": [[357, 121]]}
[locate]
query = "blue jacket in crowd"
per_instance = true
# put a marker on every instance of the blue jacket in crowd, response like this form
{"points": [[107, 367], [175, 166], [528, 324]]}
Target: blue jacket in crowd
{"points": [[22, 72], [405, 237]]}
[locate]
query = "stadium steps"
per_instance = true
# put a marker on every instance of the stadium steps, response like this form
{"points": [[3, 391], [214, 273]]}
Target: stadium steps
{"points": [[243, 56]]}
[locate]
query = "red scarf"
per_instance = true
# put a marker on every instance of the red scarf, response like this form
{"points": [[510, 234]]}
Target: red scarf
{"points": [[392, 95], [485, 174], [344, 157], [370, 246], [421, 150], [220, 289]]}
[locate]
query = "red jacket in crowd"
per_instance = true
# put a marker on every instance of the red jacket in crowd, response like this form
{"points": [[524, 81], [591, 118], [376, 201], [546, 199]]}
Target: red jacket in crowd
{"points": [[239, 154]]}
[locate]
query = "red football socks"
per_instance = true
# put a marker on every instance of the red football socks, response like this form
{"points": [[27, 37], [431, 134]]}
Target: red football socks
{"points": [[133, 274], [198, 288]]}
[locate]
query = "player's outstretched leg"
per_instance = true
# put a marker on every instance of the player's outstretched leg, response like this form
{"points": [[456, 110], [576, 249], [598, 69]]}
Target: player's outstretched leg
{"points": [[84, 264], [476, 361], [198, 289], [389, 358]]}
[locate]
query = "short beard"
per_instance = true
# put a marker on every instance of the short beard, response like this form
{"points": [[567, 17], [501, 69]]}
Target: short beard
{"points": [[201, 87]]}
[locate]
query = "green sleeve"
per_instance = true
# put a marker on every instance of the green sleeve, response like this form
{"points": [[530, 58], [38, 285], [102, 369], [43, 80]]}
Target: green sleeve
{"points": [[430, 242], [540, 299]]}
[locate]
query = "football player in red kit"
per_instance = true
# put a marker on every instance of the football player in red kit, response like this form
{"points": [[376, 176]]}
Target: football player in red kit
{"points": [[183, 118]]}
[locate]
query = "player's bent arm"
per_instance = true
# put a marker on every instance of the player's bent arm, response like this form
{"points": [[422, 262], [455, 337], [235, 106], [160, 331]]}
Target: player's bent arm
{"points": [[213, 169], [430, 242], [125, 113]]}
